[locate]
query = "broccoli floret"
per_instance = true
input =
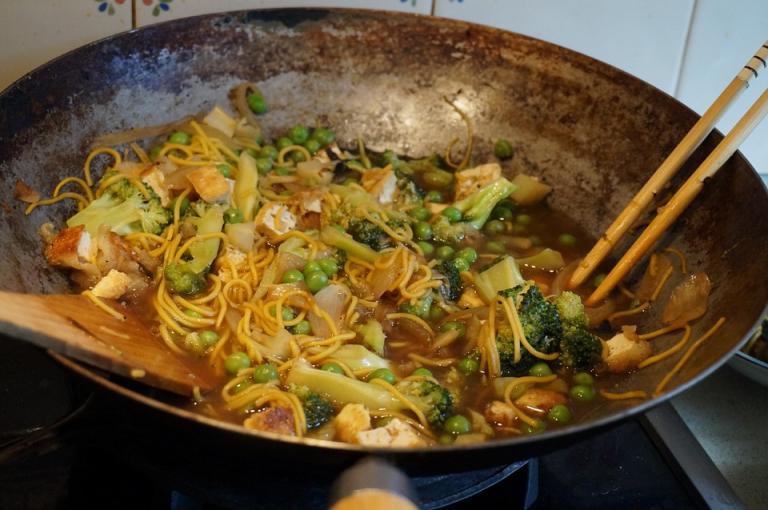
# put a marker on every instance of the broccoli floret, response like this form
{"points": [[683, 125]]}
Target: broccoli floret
{"points": [[542, 327], [409, 193], [122, 215], [580, 349], [435, 401], [317, 409], [332, 236], [571, 310], [181, 279], [453, 286], [373, 335], [363, 231], [475, 210]]}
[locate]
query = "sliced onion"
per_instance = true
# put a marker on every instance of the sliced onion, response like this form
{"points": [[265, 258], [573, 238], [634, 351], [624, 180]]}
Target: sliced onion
{"points": [[331, 300], [286, 261], [600, 314], [241, 235], [383, 278], [688, 300], [278, 345], [25, 193], [131, 135]]}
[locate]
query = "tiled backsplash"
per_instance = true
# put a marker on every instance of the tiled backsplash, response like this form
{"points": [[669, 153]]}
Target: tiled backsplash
{"points": [[688, 48]]}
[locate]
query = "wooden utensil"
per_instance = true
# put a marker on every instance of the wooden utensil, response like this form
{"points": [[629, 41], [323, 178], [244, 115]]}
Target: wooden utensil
{"points": [[73, 326]]}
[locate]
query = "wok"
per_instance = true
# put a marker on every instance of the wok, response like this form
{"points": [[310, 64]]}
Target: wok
{"points": [[591, 131]]}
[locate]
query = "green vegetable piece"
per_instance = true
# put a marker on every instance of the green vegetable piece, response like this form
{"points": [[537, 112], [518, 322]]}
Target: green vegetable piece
{"points": [[494, 227], [183, 280], [328, 266], [567, 239], [268, 151], [436, 313], [502, 274], [264, 373], [582, 393], [246, 193], [293, 276], [437, 179], [282, 170], [256, 103], [313, 266], [460, 264], [444, 252], [373, 335], [539, 427], [287, 314], [453, 214], [422, 372], [236, 362], [422, 231], [523, 219], [540, 369], [233, 215], [469, 254], [324, 136], [559, 414], [312, 146], [299, 134], [583, 378], [468, 365], [495, 247], [264, 165], [318, 410], [302, 328], [316, 281], [224, 170], [339, 239], [283, 142], [433, 196], [502, 212], [193, 313], [454, 326], [457, 424], [426, 248], [332, 367], [208, 338], [384, 374], [420, 213], [180, 137]]}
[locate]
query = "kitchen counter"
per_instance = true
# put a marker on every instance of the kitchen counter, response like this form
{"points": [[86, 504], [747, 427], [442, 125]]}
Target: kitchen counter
{"points": [[728, 414]]}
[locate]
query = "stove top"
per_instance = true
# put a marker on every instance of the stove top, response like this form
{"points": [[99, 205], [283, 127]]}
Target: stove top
{"points": [[91, 456]]}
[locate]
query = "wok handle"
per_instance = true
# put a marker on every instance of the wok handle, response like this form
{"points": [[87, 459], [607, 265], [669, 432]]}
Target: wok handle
{"points": [[677, 443], [373, 484]]}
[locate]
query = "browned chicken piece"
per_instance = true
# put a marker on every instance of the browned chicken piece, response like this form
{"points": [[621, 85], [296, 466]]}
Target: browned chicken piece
{"points": [[73, 248], [396, 433], [625, 351], [539, 401], [351, 420], [381, 183], [500, 413], [274, 419]]}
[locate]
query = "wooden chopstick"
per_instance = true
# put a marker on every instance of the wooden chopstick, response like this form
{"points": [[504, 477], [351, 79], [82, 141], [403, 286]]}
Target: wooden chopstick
{"points": [[683, 197], [668, 168]]}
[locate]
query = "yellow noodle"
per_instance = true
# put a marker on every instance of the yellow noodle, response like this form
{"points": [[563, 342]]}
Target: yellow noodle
{"points": [[102, 305], [627, 395], [668, 352]]}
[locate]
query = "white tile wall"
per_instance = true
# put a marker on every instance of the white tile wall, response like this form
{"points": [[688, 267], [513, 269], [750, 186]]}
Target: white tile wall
{"points": [[153, 11], [644, 38], [723, 36]]}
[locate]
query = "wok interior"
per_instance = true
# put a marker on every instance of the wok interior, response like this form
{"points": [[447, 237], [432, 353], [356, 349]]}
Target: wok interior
{"points": [[589, 130]]}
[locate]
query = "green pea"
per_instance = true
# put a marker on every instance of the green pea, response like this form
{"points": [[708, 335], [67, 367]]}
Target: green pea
{"points": [[422, 372], [468, 365], [263, 165], [302, 328], [409, 308], [312, 266], [293, 276], [224, 170], [193, 313], [236, 362], [382, 373], [426, 248], [597, 280], [299, 134], [539, 426], [454, 326], [453, 214], [154, 152], [536, 240], [297, 156], [252, 152], [268, 151], [437, 179], [582, 393], [433, 196], [193, 344], [264, 373], [495, 247], [423, 231], [566, 239], [460, 264], [517, 228], [324, 135], [332, 367], [184, 205], [316, 281], [283, 142], [180, 137], [233, 215], [256, 103], [583, 379], [446, 439], [312, 146], [208, 338], [494, 227], [328, 266], [523, 219], [502, 212], [420, 213], [288, 314], [281, 170], [436, 313], [469, 254], [241, 386], [559, 414], [503, 149], [457, 424], [444, 252], [540, 369]]}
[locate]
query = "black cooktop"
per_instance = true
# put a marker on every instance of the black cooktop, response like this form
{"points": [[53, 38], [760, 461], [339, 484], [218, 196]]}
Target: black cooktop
{"points": [[92, 457]]}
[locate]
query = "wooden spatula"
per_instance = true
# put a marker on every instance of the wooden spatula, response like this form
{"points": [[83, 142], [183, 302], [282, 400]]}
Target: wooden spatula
{"points": [[73, 326]]}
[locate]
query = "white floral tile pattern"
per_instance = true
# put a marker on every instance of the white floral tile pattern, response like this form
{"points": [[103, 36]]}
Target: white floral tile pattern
{"points": [[33, 32], [645, 38], [153, 11]]}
